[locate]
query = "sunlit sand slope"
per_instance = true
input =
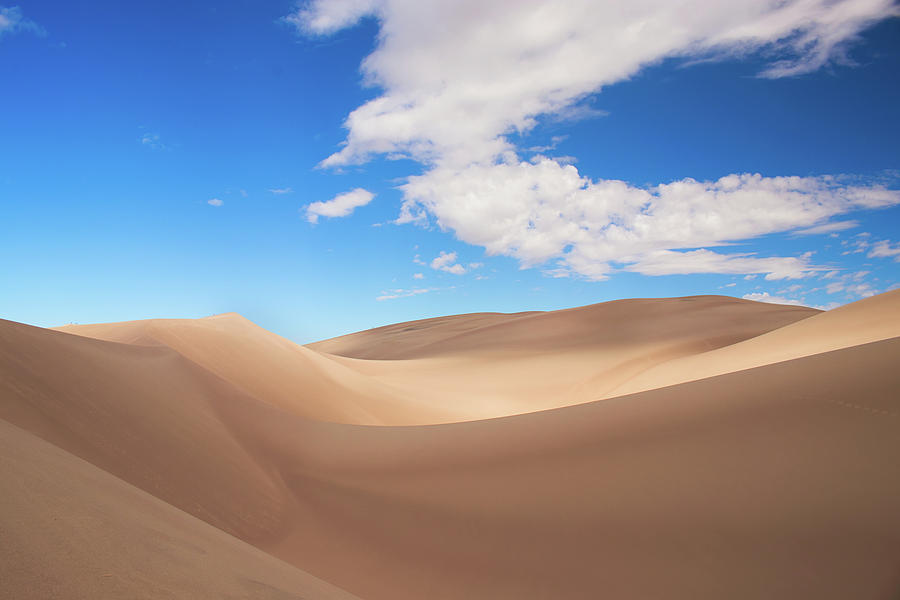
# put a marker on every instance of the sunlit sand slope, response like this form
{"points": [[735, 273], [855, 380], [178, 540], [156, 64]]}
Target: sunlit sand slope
{"points": [[273, 369], [524, 363], [868, 320]]}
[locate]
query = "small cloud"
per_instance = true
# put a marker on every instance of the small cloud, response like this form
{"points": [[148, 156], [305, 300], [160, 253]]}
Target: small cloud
{"points": [[418, 276], [339, 206], [402, 293], [281, 191], [884, 249], [243, 193], [828, 306], [827, 228], [418, 260], [215, 202], [446, 261], [732, 284], [765, 297], [151, 140], [554, 142]]}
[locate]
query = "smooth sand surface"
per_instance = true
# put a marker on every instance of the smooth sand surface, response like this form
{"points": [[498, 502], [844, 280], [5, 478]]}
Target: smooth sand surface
{"points": [[71, 530], [775, 475]]}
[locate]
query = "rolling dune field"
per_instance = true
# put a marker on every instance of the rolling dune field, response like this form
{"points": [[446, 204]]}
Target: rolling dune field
{"points": [[699, 447]]}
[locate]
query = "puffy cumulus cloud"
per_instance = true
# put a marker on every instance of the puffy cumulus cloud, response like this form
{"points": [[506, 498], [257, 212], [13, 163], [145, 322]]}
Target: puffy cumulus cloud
{"points": [[766, 297], [538, 211], [339, 206], [446, 261], [458, 76], [458, 80]]}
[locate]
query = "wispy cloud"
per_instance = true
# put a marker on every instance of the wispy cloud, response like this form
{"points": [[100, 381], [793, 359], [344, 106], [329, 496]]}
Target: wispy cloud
{"points": [[151, 140], [339, 206], [13, 21], [766, 297], [215, 202], [280, 191], [827, 228], [403, 293], [885, 249]]}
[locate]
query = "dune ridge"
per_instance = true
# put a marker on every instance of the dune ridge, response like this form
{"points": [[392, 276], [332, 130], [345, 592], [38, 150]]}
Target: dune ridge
{"points": [[776, 478]]}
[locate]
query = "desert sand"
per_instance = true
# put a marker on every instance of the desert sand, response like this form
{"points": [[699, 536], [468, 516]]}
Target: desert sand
{"points": [[701, 447]]}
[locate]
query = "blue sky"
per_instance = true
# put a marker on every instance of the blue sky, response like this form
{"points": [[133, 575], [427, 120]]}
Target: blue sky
{"points": [[331, 166]]}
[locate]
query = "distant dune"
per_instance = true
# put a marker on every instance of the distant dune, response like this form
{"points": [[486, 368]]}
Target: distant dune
{"points": [[702, 447]]}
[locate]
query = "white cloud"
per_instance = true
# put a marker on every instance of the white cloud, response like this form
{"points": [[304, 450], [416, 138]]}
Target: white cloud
{"points": [[339, 206], [446, 261], [541, 210], [458, 76], [884, 249], [280, 191], [418, 276], [765, 297], [862, 290], [827, 228], [151, 140], [403, 293], [459, 79], [13, 21], [215, 202], [851, 284], [828, 306], [835, 287]]}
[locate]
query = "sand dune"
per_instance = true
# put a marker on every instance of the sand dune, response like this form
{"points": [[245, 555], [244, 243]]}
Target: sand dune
{"points": [[465, 367], [529, 362], [273, 369], [869, 320], [776, 478], [71, 530]]}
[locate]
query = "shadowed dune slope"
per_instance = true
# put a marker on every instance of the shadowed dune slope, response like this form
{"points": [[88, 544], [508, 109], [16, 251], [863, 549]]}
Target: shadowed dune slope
{"points": [[73, 531], [779, 481]]}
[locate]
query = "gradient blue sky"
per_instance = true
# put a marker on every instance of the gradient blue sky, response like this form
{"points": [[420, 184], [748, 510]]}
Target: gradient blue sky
{"points": [[165, 159]]}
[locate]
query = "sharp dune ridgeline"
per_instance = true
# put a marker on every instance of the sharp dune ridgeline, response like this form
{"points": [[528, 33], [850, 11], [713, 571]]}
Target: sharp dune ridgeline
{"points": [[702, 447]]}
